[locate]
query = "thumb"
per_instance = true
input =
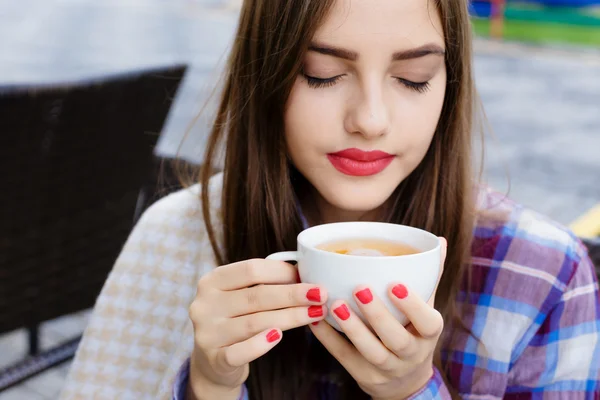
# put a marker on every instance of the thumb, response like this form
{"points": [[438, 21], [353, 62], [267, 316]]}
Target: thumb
{"points": [[444, 252]]}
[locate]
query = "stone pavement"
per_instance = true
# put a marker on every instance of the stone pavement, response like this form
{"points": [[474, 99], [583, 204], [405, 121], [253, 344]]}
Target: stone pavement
{"points": [[544, 118], [543, 105]]}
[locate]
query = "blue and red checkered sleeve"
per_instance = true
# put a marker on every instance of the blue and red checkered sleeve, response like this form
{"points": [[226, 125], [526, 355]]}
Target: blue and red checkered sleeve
{"points": [[434, 390], [562, 360], [181, 382]]}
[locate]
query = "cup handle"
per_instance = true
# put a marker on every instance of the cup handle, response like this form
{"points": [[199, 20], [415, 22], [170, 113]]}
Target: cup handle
{"points": [[284, 256]]}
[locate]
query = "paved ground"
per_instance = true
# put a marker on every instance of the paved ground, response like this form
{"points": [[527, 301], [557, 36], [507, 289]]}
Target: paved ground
{"points": [[543, 106], [544, 117]]}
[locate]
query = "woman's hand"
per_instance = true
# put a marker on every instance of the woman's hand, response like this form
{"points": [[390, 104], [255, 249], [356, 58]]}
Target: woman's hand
{"points": [[239, 313], [395, 361]]}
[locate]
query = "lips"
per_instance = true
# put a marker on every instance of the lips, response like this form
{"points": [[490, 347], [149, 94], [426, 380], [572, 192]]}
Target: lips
{"points": [[356, 162]]}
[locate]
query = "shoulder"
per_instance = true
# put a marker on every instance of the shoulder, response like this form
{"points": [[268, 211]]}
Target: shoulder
{"points": [[511, 235], [183, 206], [524, 259], [523, 266], [172, 231], [142, 309]]}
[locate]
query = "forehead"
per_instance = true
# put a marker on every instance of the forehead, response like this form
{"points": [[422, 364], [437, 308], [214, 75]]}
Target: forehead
{"points": [[397, 24]]}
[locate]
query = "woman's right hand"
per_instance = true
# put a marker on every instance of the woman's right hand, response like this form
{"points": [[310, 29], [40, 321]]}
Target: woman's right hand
{"points": [[239, 313]]}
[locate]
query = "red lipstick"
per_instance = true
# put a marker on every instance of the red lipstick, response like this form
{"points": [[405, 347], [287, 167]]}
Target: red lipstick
{"points": [[356, 162]]}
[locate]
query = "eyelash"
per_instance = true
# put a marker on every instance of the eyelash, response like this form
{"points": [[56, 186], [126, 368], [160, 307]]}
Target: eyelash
{"points": [[419, 87], [318, 83]]}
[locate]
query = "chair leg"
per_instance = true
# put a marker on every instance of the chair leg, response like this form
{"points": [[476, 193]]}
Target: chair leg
{"points": [[34, 339], [31, 366]]}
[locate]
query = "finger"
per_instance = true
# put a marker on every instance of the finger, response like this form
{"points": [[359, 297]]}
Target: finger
{"points": [[389, 330], [272, 297], [342, 350], [253, 272], [426, 320], [369, 346], [242, 353], [241, 328]]}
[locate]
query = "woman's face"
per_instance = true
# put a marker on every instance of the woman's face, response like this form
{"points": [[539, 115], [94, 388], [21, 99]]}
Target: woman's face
{"points": [[363, 113]]}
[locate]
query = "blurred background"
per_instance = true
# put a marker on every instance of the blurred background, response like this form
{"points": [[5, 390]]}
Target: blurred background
{"points": [[101, 92]]}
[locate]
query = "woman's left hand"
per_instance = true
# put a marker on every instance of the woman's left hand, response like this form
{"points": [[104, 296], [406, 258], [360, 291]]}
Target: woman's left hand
{"points": [[396, 361]]}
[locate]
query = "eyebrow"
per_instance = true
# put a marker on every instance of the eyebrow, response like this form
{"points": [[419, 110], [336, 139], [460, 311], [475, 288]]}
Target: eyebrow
{"points": [[418, 52]]}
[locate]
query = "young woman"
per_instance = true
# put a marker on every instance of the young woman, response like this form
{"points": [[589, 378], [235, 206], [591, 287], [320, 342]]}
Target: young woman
{"points": [[337, 111]]}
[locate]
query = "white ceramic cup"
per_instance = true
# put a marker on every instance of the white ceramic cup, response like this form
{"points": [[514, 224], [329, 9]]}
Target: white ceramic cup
{"points": [[340, 274]]}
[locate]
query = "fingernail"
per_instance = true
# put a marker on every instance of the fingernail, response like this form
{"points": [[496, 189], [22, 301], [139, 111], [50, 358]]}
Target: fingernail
{"points": [[400, 291], [315, 323], [364, 296], [314, 294], [315, 311], [298, 276], [273, 336], [342, 312]]}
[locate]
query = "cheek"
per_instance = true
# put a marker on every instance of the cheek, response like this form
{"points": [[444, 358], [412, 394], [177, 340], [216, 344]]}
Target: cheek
{"points": [[311, 120], [418, 119]]}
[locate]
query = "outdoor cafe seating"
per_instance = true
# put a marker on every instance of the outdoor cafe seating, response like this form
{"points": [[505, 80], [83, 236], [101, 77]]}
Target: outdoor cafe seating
{"points": [[78, 168]]}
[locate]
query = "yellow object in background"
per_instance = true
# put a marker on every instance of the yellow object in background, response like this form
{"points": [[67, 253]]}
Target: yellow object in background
{"points": [[588, 225]]}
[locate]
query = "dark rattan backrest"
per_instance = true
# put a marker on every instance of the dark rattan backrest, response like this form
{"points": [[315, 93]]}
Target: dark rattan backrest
{"points": [[593, 245], [73, 159]]}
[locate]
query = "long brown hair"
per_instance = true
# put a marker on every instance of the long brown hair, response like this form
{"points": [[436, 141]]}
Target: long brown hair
{"points": [[259, 214]]}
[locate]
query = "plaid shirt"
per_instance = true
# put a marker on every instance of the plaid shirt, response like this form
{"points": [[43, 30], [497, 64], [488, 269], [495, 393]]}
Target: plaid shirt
{"points": [[533, 307]]}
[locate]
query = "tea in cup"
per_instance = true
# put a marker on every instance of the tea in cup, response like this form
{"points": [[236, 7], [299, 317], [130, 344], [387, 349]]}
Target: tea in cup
{"points": [[368, 247]]}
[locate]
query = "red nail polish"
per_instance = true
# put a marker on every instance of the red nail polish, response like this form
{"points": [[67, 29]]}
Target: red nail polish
{"points": [[315, 311], [298, 276], [342, 312], [315, 323], [314, 294], [400, 291], [273, 336], [364, 296]]}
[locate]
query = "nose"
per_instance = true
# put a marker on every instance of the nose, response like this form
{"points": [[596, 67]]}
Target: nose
{"points": [[369, 115]]}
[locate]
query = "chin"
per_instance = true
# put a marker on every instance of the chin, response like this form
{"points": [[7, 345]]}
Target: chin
{"points": [[358, 197]]}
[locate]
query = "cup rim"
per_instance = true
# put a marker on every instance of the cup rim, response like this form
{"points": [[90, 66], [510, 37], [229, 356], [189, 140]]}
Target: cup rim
{"points": [[357, 257]]}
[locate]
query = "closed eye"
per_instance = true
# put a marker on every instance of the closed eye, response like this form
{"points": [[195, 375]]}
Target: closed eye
{"points": [[317, 83], [420, 87]]}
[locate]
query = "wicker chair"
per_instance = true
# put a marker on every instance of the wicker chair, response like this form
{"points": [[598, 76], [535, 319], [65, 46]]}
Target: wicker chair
{"points": [[73, 159]]}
